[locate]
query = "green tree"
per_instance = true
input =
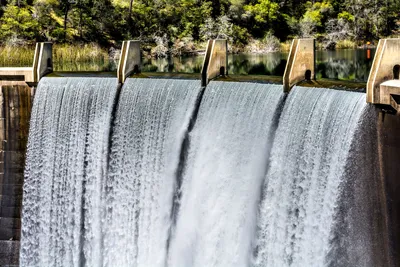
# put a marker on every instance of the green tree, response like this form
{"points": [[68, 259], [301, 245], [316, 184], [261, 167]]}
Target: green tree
{"points": [[264, 11], [17, 24], [315, 17]]}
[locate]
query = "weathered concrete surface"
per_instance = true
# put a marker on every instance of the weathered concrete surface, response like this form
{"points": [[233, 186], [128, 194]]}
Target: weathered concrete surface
{"points": [[42, 65], [9, 253], [387, 56], [12, 83], [389, 92], [129, 61], [16, 101], [216, 61], [389, 161], [23, 73], [301, 60]]}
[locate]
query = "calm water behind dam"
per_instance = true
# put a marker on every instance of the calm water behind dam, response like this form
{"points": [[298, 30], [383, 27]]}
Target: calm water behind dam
{"points": [[346, 64]]}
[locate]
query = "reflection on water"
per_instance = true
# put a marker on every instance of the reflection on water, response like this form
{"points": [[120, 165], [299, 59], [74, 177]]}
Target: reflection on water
{"points": [[176, 64], [267, 64], [349, 64]]}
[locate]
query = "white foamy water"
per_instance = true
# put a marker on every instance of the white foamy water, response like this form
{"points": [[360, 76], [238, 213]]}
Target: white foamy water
{"points": [[65, 172], [224, 172], [302, 188], [164, 180], [151, 122]]}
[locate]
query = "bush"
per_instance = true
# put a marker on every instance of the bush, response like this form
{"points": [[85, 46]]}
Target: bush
{"points": [[285, 47], [161, 48], [267, 45], [346, 44], [183, 46]]}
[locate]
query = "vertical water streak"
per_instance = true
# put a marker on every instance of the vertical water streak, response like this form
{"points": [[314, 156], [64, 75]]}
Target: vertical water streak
{"points": [[65, 170], [302, 187], [151, 122], [224, 172]]}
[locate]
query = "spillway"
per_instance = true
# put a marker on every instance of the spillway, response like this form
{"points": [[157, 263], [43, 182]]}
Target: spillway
{"points": [[300, 221], [151, 123], [225, 168], [162, 172], [65, 172]]}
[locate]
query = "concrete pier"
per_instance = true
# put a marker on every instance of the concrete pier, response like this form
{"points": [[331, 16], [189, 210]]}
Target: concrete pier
{"points": [[383, 86], [129, 61], [215, 62], [300, 64]]}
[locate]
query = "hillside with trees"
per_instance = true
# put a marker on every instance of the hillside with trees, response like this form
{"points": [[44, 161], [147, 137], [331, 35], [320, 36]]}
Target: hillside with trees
{"points": [[181, 26]]}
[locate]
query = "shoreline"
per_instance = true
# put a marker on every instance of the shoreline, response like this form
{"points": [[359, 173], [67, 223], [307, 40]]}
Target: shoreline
{"points": [[12, 55]]}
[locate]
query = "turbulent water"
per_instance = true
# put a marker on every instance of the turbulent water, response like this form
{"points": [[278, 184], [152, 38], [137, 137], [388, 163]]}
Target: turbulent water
{"points": [[65, 172], [174, 176], [302, 188], [226, 164], [151, 123]]}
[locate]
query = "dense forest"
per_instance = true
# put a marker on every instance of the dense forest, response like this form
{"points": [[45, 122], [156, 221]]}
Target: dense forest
{"points": [[182, 25]]}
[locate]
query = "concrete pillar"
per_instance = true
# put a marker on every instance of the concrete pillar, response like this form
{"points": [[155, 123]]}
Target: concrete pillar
{"points": [[300, 65], [383, 86], [216, 61], [15, 109], [129, 61], [43, 61], [387, 58], [384, 67]]}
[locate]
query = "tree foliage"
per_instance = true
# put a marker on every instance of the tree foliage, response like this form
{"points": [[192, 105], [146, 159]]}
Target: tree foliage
{"points": [[173, 23]]}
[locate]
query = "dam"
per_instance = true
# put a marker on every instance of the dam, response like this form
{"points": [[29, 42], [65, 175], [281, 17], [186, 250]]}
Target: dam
{"points": [[127, 169]]}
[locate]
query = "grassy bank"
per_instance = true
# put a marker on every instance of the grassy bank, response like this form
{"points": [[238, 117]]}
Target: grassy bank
{"points": [[12, 56], [16, 56]]}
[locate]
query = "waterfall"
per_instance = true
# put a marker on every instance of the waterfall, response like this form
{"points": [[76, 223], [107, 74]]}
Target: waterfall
{"points": [[303, 185], [225, 169], [164, 173], [150, 126], [65, 172]]}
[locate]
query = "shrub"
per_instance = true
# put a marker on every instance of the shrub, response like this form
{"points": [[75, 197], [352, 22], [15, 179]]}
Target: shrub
{"points": [[346, 44], [267, 45], [161, 48]]}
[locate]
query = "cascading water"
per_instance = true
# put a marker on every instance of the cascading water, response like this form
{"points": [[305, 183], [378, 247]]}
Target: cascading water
{"points": [[225, 169], [151, 123], [179, 182], [302, 190], [65, 172]]}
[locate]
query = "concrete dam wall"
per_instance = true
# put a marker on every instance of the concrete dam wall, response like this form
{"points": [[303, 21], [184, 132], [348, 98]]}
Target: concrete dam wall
{"points": [[372, 137], [173, 172], [16, 104]]}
